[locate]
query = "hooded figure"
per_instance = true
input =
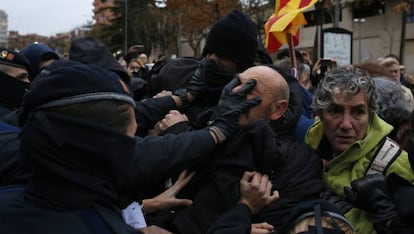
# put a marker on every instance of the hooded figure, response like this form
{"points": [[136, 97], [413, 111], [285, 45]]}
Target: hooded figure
{"points": [[89, 50], [40, 56], [233, 37], [77, 157]]}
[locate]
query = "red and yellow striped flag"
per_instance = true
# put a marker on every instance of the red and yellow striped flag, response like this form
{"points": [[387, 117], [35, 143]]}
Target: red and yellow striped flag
{"points": [[287, 19]]}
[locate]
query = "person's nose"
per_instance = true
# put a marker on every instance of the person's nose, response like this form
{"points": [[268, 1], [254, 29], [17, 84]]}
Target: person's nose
{"points": [[346, 122]]}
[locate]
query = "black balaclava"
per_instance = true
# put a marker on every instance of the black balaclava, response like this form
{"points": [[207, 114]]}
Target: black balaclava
{"points": [[74, 168], [12, 91], [233, 37]]}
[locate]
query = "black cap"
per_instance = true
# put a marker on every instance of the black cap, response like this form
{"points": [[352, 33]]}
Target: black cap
{"points": [[70, 82], [14, 59]]}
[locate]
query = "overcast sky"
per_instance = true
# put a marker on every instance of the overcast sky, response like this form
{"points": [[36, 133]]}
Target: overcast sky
{"points": [[46, 17]]}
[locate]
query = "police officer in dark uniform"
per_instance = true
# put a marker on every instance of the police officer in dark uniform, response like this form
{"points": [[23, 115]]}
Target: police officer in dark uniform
{"points": [[14, 80]]}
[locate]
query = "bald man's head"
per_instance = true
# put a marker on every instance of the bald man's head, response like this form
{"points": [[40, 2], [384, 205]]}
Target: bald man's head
{"points": [[273, 89]]}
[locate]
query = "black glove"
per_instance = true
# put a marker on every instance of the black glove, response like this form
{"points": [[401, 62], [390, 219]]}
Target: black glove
{"points": [[209, 79], [371, 194], [230, 106], [338, 201]]}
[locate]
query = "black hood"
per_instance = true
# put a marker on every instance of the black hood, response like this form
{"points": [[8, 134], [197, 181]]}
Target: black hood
{"points": [[88, 50], [75, 163]]}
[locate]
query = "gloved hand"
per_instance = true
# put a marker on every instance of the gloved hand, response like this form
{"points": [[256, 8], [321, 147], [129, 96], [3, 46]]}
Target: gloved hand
{"points": [[208, 79], [371, 194], [338, 201], [230, 106]]}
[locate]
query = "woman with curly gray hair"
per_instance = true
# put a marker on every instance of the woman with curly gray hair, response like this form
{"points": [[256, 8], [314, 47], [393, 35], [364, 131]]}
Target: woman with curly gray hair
{"points": [[349, 133]]}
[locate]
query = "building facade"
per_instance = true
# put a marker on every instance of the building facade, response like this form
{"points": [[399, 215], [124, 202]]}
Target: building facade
{"points": [[376, 32], [103, 12], [3, 29]]}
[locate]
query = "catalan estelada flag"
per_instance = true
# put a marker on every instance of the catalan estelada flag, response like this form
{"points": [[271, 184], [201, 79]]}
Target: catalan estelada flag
{"points": [[287, 19]]}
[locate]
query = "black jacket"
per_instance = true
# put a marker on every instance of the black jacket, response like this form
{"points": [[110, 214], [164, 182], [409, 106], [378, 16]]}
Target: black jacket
{"points": [[149, 111], [157, 158], [294, 168], [76, 178], [19, 216], [154, 159], [11, 173]]}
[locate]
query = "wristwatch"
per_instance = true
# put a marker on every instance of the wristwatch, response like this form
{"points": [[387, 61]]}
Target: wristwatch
{"points": [[182, 94]]}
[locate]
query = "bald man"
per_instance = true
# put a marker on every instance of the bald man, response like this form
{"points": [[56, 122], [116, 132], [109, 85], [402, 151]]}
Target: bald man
{"points": [[271, 87], [293, 168]]}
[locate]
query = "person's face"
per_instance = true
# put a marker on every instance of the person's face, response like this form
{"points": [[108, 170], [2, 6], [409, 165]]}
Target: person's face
{"points": [[304, 80], [19, 73], [394, 72], [346, 120], [143, 58], [227, 64], [266, 87], [132, 127], [134, 67]]}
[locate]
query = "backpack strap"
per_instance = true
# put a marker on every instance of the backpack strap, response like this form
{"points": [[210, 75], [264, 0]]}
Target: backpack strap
{"points": [[318, 218], [332, 220], [384, 157]]}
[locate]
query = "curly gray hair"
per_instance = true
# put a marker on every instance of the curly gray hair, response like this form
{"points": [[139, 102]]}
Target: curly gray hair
{"points": [[348, 79]]}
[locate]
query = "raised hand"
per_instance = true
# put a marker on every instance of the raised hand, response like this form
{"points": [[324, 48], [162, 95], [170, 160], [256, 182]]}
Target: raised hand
{"points": [[230, 106], [167, 199], [256, 191]]}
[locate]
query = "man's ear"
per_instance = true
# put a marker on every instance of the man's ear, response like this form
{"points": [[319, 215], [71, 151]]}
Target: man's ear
{"points": [[278, 109]]}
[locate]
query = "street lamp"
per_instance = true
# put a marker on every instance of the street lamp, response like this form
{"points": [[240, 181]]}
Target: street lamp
{"points": [[359, 21], [126, 28]]}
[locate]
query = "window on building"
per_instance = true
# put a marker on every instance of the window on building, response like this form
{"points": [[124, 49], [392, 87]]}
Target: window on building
{"points": [[364, 9], [316, 18], [410, 14]]}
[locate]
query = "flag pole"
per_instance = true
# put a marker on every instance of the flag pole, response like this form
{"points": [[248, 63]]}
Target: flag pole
{"points": [[292, 54]]}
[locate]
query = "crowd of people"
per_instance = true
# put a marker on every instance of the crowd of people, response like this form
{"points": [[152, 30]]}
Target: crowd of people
{"points": [[232, 142]]}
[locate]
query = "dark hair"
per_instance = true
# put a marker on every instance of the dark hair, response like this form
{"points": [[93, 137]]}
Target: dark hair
{"points": [[111, 113], [286, 65], [392, 56], [373, 69], [284, 53]]}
